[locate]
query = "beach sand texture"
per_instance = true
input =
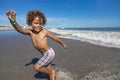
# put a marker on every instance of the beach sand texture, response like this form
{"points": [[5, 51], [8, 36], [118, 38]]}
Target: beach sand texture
{"points": [[81, 61]]}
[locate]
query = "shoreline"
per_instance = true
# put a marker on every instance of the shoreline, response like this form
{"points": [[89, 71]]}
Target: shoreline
{"points": [[81, 58], [4, 28]]}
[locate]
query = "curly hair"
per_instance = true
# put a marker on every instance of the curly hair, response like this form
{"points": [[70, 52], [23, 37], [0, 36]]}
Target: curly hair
{"points": [[35, 13]]}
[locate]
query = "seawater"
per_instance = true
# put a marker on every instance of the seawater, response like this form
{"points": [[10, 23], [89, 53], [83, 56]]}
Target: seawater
{"points": [[106, 72], [109, 37]]}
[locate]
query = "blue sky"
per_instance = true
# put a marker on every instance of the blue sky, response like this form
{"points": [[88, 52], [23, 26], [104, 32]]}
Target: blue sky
{"points": [[66, 13]]}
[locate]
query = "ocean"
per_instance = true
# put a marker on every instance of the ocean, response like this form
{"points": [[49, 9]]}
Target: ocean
{"points": [[108, 37]]}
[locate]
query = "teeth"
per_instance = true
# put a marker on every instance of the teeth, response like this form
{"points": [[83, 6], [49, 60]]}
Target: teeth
{"points": [[37, 29]]}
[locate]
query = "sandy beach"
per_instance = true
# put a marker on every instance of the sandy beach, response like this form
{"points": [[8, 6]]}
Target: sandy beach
{"points": [[81, 61], [3, 28]]}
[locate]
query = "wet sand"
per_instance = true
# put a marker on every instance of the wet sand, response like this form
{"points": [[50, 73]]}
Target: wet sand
{"points": [[17, 56]]}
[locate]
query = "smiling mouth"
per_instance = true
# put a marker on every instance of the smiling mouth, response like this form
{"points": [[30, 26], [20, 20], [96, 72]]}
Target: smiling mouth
{"points": [[37, 29]]}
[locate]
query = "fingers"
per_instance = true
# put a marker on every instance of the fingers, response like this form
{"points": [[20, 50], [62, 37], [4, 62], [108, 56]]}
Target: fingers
{"points": [[65, 46], [10, 12], [11, 15], [14, 13]]}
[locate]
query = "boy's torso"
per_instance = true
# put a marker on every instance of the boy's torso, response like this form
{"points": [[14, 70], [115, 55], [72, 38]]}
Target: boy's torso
{"points": [[40, 41]]}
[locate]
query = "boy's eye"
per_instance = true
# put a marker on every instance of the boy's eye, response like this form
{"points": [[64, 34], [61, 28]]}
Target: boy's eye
{"points": [[38, 23], [41, 23]]}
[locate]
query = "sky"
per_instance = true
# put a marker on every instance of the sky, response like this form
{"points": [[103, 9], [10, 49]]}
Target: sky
{"points": [[65, 13]]}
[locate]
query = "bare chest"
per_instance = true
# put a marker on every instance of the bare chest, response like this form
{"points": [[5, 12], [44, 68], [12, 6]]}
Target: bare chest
{"points": [[39, 39]]}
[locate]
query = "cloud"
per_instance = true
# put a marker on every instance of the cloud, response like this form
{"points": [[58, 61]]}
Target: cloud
{"points": [[57, 19], [67, 22], [3, 18], [57, 22], [21, 19]]}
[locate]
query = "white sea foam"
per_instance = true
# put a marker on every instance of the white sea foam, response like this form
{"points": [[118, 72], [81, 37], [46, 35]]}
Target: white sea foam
{"points": [[108, 73], [65, 75], [103, 38], [104, 73]]}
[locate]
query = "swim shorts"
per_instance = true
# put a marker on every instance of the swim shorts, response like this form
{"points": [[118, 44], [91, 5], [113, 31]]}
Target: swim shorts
{"points": [[46, 58]]}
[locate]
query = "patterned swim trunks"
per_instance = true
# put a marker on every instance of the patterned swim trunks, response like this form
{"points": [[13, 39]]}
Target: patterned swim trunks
{"points": [[46, 58]]}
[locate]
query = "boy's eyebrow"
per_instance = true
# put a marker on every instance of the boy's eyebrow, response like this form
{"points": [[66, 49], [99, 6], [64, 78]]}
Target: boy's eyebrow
{"points": [[41, 22]]}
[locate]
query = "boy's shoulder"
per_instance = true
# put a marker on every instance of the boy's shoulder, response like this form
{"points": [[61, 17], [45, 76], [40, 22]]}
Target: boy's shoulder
{"points": [[45, 30]]}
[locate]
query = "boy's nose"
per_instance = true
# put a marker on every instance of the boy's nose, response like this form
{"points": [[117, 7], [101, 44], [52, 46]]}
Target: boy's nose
{"points": [[38, 25]]}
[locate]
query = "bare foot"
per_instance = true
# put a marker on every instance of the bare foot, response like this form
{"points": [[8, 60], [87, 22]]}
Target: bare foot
{"points": [[53, 74], [57, 75]]}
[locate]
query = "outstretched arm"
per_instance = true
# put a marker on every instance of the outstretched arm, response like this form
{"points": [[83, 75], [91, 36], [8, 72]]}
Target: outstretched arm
{"points": [[56, 39], [12, 18]]}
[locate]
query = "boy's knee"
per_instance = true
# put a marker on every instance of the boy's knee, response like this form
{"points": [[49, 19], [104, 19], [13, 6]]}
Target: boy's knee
{"points": [[36, 67]]}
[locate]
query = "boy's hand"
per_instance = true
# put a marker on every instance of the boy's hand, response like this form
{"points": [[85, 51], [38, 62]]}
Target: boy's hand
{"points": [[65, 47], [11, 15]]}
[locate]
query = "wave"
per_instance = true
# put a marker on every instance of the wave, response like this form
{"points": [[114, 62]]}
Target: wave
{"points": [[106, 72], [65, 75], [102, 38]]}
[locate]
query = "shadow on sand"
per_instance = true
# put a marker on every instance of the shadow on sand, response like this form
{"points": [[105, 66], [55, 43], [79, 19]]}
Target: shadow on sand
{"points": [[39, 74]]}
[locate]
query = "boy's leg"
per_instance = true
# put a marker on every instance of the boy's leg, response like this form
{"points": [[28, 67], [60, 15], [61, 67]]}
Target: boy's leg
{"points": [[45, 70], [56, 73]]}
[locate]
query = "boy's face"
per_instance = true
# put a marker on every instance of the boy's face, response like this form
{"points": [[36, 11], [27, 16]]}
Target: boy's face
{"points": [[37, 24]]}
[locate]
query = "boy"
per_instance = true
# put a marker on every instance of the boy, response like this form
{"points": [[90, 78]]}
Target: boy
{"points": [[39, 37]]}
